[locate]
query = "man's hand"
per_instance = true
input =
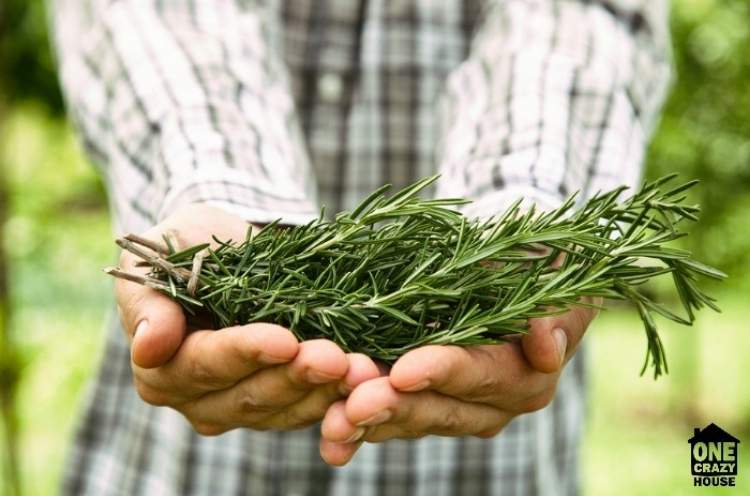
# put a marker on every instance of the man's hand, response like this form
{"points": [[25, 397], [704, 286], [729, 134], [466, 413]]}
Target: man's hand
{"points": [[456, 391], [256, 376]]}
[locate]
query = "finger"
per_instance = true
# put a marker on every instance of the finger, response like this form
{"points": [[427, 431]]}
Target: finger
{"points": [[337, 454], [215, 360], [306, 411], [495, 374], [361, 368], [388, 413], [159, 321], [153, 323], [312, 407], [337, 428], [551, 341], [267, 391]]}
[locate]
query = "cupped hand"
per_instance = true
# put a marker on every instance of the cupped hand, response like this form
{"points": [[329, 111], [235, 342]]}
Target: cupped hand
{"points": [[456, 391], [257, 375]]}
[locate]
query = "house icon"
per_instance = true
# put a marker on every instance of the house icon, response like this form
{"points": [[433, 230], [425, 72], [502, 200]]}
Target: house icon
{"points": [[712, 433], [713, 451]]}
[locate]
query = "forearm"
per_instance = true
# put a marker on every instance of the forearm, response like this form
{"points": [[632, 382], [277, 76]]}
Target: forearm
{"points": [[184, 106], [555, 97]]}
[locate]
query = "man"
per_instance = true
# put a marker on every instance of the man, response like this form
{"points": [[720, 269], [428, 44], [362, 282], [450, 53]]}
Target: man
{"points": [[204, 116]]}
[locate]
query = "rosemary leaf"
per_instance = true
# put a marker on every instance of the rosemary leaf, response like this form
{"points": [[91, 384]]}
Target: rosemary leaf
{"points": [[400, 272]]}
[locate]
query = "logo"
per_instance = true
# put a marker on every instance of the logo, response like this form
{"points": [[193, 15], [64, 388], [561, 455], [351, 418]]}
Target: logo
{"points": [[713, 456]]}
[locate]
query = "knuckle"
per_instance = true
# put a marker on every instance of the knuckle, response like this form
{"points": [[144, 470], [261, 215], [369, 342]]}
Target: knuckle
{"points": [[201, 374], [246, 345], [493, 427], [489, 382], [199, 370], [250, 404], [487, 385], [453, 421], [151, 395], [262, 426], [207, 429], [538, 401], [490, 433], [296, 418]]}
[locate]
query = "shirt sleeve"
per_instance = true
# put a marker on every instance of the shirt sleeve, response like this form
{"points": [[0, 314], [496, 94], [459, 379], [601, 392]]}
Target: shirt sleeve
{"points": [[185, 101], [555, 97]]}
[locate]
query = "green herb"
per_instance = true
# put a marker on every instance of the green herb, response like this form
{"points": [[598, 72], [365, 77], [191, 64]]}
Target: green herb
{"points": [[399, 272]]}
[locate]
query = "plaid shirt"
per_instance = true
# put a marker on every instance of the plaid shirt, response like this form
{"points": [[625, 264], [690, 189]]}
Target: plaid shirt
{"points": [[268, 109]]}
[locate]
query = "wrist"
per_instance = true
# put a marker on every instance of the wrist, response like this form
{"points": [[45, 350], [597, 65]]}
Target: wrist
{"points": [[240, 194]]}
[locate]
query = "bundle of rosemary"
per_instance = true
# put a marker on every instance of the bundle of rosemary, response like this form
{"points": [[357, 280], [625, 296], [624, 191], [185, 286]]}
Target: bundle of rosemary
{"points": [[398, 272]]}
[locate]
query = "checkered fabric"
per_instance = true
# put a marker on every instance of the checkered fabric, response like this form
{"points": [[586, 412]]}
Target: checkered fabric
{"points": [[269, 109]]}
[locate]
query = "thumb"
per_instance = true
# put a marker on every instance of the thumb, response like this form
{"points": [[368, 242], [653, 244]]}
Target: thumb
{"points": [[158, 327], [551, 341], [153, 323]]}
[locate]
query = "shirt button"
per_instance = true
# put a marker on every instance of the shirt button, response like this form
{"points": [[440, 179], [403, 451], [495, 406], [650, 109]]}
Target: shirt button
{"points": [[330, 87]]}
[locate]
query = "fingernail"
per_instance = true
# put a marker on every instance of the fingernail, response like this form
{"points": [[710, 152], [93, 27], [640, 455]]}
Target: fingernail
{"points": [[318, 377], [358, 433], [376, 419], [416, 387], [141, 327], [561, 340]]}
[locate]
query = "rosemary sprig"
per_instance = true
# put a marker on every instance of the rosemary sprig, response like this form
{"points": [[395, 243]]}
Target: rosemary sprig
{"points": [[400, 272]]}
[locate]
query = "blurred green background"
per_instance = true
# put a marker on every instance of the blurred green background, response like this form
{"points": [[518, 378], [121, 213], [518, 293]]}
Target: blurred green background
{"points": [[56, 237]]}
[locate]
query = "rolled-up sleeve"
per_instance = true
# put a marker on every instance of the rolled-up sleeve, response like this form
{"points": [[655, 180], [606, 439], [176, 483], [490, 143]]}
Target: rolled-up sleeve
{"points": [[184, 101], [554, 97]]}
